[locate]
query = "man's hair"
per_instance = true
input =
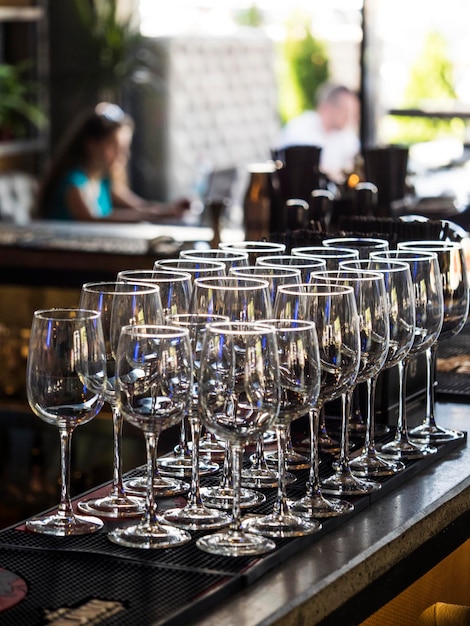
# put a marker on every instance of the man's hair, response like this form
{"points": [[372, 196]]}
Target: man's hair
{"points": [[331, 93]]}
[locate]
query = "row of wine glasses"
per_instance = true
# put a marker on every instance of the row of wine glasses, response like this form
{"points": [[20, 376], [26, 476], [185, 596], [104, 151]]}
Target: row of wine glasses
{"points": [[244, 365]]}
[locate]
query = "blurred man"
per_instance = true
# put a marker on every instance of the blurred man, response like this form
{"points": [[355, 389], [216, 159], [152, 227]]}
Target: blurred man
{"points": [[333, 127]]}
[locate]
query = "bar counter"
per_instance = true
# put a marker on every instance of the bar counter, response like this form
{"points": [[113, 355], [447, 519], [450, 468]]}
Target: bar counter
{"points": [[339, 577], [356, 568], [67, 254]]}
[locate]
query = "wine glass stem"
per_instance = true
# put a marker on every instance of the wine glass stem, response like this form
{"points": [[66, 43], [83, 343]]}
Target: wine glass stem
{"points": [[118, 487], [280, 506], [322, 424], [402, 428], [431, 353], [313, 483], [237, 461], [346, 399], [369, 444], [227, 470], [151, 442], [184, 450], [194, 497], [259, 461], [289, 447], [65, 506]]}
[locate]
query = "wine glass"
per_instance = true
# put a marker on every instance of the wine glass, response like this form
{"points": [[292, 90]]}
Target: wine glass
{"points": [[175, 293], [294, 459], [306, 266], [333, 310], [401, 315], [239, 396], [65, 379], [274, 275], [175, 286], [259, 474], [231, 258], [195, 516], [451, 259], [240, 299], [372, 309], [254, 249], [119, 304], [364, 245], [299, 370], [154, 383], [429, 314], [332, 256], [196, 268], [180, 461]]}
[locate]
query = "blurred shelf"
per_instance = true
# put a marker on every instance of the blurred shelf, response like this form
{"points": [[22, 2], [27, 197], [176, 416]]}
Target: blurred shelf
{"points": [[22, 146], [21, 13]]}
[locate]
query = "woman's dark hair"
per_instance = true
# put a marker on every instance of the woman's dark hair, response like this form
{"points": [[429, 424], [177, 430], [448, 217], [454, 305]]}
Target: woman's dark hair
{"points": [[96, 124]]}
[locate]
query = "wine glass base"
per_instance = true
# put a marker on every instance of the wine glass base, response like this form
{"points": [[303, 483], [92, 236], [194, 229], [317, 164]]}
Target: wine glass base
{"points": [[435, 434], [113, 506], [381, 429], [162, 487], [259, 478], [235, 543], [182, 468], [220, 498], [406, 450], [213, 448], [256, 480], [63, 526], [197, 517], [372, 466], [281, 526], [344, 483], [357, 428], [149, 537], [294, 460], [319, 507], [328, 444]]}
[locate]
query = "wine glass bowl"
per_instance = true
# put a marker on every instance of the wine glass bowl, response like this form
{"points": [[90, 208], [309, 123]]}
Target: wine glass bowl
{"points": [[196, 268], [254, 249], [231, 258], [364, 245], [65, 381], [175, 287], [332, 255], [306, 266]]}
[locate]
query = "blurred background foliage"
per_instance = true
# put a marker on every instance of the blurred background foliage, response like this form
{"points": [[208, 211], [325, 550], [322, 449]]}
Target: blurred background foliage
{"points": [[431, 81], [303, 67]]}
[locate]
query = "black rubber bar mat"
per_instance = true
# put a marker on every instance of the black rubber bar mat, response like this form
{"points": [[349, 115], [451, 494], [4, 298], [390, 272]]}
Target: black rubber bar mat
{"points": [[95, 579]]}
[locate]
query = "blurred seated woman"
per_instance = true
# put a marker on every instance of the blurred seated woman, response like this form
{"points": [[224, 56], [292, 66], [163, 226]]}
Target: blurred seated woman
{"points": [[86, 180]]}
